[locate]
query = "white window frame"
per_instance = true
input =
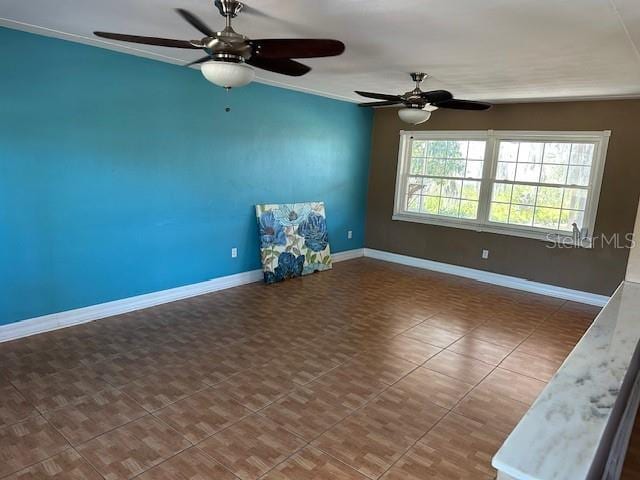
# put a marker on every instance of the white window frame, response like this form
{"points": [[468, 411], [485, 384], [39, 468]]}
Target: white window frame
{"points": [[492, 138]]}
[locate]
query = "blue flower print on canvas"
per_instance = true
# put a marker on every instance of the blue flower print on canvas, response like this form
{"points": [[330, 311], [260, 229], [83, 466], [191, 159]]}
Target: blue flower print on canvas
{"points": [[271, 231], [292, 214], [293, 240], [289, 266], [314, 232]]}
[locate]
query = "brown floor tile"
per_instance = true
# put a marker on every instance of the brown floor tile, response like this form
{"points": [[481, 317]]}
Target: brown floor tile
{"points": [[130, 450], [191, 464], [581, 310], [483, 405], [503, 336], [93, 415], [217, 366], [336, 347], [480, 350], [203, 414], [118, 371], [28, 367], [461, 367], [386, 323], [384, 367], [531, 366], [507, 384], [252, 447], [66, 466], [433, 335], [467, 443], [60, 389], [159, 390], [308, 411], [545, 345], [353, 388], [457, 448], [312, 464], [409, 349], [452, 322], [512, 322], [631, 466], [13, 406], [134, 364], [424, 462], [371, 439], [28, 442], [259, 386], [384, 326], [303, 367], [434, 387], [264, 346], [564, 331], [214, 367]]}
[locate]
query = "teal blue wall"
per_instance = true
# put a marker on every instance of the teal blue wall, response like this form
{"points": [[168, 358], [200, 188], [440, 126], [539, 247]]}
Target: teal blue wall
{"points": [[121, 176]]}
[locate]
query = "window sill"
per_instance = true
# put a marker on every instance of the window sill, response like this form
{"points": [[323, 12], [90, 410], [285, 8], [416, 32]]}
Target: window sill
{"points": [[551, 238]]}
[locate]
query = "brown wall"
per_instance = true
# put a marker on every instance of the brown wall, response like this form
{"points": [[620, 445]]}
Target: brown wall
{"points": [[597, 270]]}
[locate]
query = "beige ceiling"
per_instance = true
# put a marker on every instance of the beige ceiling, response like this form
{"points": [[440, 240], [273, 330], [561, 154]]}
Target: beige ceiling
{"points": [[499, 50]]}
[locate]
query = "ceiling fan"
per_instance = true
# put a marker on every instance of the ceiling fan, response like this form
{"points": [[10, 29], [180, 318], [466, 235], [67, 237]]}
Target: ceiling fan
{"points": [[418, 105], [230, 55]]}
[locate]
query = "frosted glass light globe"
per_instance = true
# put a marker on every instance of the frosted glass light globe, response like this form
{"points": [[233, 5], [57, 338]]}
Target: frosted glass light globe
{"points": [[228, 74], [413, 116]]}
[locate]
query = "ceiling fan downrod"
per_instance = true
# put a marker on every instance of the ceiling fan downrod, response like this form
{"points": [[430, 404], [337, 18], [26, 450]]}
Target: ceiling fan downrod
{"points": [[229, 9], [418, 77]]}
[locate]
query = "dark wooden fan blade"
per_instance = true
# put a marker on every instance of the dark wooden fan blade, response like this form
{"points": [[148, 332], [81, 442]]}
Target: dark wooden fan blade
{"points": [[436, 96], [200, 60], [379, 104], [463, 105], [285, 66], [163, 42], [296, 47], [380, 96], [195, 22], [255, 11]]}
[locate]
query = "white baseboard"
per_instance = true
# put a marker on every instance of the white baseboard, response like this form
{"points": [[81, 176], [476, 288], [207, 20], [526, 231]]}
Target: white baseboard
{"points": [[347, 255], [77, 316], [489, 277]]}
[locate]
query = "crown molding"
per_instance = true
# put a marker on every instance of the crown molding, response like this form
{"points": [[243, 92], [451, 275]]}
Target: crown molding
{"points": [[141, 52]]}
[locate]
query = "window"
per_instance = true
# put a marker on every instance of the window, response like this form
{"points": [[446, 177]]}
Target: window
{"points": [[445, 177], [534, 184]]}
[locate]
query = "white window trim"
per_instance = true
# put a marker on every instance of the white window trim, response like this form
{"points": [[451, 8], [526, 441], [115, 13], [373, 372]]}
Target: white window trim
{"points": [[491, 137]]}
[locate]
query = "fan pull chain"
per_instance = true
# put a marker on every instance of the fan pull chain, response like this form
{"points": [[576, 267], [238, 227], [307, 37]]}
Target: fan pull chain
{"points": [[227, 108]]}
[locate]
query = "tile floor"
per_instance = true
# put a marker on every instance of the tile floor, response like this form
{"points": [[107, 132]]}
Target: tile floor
{"points": [[372, 370], [631, 467]]}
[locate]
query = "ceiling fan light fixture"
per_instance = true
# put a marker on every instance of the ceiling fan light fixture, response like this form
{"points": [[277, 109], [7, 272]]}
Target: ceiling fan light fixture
{"points": [[228, 74], [414, 116]]}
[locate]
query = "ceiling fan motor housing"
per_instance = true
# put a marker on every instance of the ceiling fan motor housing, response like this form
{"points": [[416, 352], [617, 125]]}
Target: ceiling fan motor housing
{"points": [[228, 46], [413, 98]]}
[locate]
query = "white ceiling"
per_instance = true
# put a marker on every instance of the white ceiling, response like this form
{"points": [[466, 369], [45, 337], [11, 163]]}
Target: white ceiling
{"points": [[499, 50]]}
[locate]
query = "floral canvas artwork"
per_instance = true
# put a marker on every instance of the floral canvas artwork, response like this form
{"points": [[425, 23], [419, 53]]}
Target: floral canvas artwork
{"points": [[293, 240]]}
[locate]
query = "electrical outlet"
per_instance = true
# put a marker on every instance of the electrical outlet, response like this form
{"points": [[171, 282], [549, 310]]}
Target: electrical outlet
{"points": [[485, 254], [234, 252], [350, 234]]}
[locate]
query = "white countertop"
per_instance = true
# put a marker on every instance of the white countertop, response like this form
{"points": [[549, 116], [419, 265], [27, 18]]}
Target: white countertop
{"points": [[559, 435]]}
